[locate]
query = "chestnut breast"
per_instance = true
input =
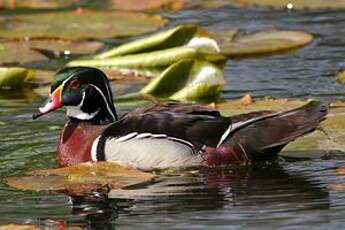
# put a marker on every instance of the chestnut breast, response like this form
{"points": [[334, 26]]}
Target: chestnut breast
{"points": [[74, 145]]}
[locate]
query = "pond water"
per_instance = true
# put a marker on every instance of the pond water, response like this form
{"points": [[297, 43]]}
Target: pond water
{"points": [[282, 194]]}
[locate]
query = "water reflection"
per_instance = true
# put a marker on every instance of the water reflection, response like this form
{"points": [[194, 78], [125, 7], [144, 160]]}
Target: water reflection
{"points": [[260, 190]]}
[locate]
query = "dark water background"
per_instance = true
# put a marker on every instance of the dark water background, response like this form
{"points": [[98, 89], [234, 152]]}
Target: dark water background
{"points": [[279, 195]]}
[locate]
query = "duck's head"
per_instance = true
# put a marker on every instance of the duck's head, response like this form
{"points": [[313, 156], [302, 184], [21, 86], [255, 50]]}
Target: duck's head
{"points": [[85, 93]]}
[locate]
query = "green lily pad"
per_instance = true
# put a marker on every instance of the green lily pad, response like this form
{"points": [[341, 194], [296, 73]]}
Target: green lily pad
{"points": [[80, 179], [142, 5], [187, 80], [151, 55], [174, 37], [39, 4], [15, 77], [262, 42], [9, 50], [235, 107], [78, 24], [294, 4], [156, 60]]}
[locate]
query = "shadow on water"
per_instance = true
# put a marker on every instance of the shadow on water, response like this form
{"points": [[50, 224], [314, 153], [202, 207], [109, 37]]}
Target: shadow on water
{"points": [[264, 191]]}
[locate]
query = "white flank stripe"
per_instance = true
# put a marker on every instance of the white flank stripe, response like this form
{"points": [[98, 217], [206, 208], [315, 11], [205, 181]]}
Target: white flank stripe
{"points": [[225, 135], [135, 135], [234, 127], [143, 135], [127, 137], [94, 149]]}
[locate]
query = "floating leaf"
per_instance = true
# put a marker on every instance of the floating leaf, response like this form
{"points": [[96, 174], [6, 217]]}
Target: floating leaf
{"points": [[14, 77], [295, 4], [39, 4], [187, 80], [261, 42], [236, 107], [80, 179], [340, 77], [19, 227], [78, 25], [141, 5], [177, 36], [155, 59], [9, 49]]}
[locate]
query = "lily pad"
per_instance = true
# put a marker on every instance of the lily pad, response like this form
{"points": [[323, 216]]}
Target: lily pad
{"points": [[151, 55], [78, 24], [15, 77], [59, 48], [263, 42], [19, 227], [174, 37], [294, 4], [187, 80], [340, 77], [80, 179], [155, 59], [142, 5], [235, 107], [39, 4]]}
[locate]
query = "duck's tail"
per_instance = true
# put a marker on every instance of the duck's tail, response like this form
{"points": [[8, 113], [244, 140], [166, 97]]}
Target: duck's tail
{"points": [[261, 138]]}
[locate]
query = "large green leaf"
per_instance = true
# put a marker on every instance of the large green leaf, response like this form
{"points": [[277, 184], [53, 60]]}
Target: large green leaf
{"points": [[177, 36], [187, 80], [154, 59], [141, 5], [14, 77], [80, 179], [78, 24], [262, 42]]}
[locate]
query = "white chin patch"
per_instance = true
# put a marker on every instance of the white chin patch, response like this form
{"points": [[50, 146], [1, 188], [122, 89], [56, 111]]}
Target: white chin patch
{"points": [[75, 112]]}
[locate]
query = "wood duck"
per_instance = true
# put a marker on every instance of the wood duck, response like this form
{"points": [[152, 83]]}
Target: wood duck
{"points": [[166, 134]]}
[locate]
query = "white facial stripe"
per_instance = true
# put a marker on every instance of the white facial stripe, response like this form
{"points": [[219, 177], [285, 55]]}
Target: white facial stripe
{"points": [[76, 112], [105, 100]]}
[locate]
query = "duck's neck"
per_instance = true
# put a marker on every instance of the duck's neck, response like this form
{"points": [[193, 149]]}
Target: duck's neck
{"points": [[75, 143]]}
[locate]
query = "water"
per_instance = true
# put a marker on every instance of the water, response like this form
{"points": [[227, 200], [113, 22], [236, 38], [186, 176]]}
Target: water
{"points": [[283, 194]]}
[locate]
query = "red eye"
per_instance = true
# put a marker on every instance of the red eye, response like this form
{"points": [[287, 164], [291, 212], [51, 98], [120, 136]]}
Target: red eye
{"points": [[74, 84]]}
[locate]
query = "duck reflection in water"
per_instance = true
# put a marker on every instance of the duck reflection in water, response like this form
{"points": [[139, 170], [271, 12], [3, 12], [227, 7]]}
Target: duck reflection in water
{"points": [[254, 189]]}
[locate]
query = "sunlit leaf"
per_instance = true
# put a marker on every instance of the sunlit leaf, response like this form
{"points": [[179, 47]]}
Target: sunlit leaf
{"points": [[340, 77], [294, 4], [81, 178], [262, 42], [41, 4], [141, 5], [155, 59], [177, 36], [78, 24], [14, 77], [19, 227], [187, 80]]}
